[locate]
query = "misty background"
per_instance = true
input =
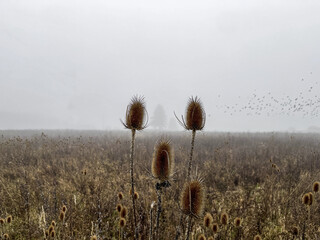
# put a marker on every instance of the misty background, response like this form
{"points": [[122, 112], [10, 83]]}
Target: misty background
{"points": [[76, 64]]}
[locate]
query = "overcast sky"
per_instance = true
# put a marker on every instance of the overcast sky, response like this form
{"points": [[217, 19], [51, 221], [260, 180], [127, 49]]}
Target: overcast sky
{"points": [[76, 64]]}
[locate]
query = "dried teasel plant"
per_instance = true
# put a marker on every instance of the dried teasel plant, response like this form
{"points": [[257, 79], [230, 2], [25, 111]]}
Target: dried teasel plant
{"points": [[162, 169], [195, 119], [192, 201], [136, 119]]}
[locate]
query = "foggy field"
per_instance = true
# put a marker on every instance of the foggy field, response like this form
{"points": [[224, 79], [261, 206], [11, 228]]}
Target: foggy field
{"points": [[85, 171]]}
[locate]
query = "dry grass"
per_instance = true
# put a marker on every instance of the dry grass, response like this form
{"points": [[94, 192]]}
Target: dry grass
{"points": [[259, 178]]}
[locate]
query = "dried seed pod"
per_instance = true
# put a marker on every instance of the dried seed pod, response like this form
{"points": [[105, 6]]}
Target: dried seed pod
{"points": [[215, 228], [119, 207], [64, 208], [237, 222], [124, 212], [305, 199], [192, 198], [136, 114], [53, 223], [9, 219], [2, 221], [50, 229], [207, 220], [62, 216], [120, 196], [316, 186], [163, 160], [195, 116], [6, 236], [53, 234], [136, 195], [257, 237], [122, 222], [224, 218]]}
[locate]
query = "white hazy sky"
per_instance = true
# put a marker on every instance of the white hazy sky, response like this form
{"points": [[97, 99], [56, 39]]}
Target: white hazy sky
{"points": [[76, 64]]}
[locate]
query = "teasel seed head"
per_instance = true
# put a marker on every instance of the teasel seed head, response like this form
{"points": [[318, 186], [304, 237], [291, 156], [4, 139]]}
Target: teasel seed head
{"points": [[192, 198], [207, 220], [62, 215], [257, 237], [310, 198], [9, 219], [64, 208], [237, 222], [119, 207], [53, 223], [120, 196], [136, 114], [163, 160], [201, 237], [316, 186], [215, 228], [195, 117], [122, 222], [6, 236], [50, 229], [305, 199], [136, 195], [53, 233], [224, 218], [295, 230], [2, 221], [124, 212], [47, 233]]}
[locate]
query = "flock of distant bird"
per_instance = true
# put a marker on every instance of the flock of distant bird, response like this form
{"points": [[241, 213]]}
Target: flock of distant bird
{"points": [[306, 103]]}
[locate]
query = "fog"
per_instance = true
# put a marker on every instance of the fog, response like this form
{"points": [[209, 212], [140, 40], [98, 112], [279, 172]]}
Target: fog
{"points": [[75, 64]]}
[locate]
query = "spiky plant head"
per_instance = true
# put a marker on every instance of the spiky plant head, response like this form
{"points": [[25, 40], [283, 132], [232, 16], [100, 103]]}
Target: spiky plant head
{"points": [[224, 218], [119, 207], [310, 199], [120, 196], [122, 222], [195, 117], [9, 219], [53, 234], [136, 114], [192, 198], [47, 233], [305, 199], [207, 220], [53, 223], [215, 227], [6, 236], [124, 212], [257, 237], [295, 230], [62, 216], [163, 160], [237, 222], [316, 186], [202, 237], [2, 221], [136, 195], [50, 229], [64, 208]]}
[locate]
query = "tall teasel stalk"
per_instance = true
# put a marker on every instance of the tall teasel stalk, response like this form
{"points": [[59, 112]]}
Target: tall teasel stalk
{"points": [[162, 169], [136, 120], [195, 119]]}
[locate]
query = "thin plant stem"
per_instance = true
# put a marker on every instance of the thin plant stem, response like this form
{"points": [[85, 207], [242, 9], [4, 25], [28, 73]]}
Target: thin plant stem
{"points": [[159, 210], [133, 131], [191, 154], [151, 224], [189, 228]]}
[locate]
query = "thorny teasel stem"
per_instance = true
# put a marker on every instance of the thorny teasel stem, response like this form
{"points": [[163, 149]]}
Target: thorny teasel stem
{"points": [[133, 131], [189, 228], [191, 154], [159, 209]]}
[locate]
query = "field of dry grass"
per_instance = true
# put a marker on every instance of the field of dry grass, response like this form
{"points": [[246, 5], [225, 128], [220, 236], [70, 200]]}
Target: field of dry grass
{"points": [[259, 178]]}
